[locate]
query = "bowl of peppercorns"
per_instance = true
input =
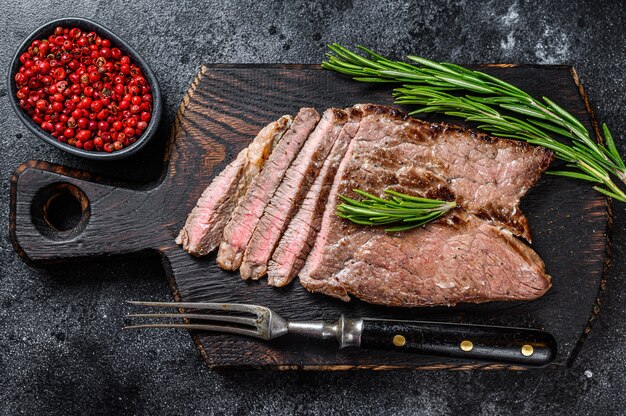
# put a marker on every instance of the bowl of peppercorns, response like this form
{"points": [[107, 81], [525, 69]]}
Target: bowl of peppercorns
{"points": [[78, 86]]}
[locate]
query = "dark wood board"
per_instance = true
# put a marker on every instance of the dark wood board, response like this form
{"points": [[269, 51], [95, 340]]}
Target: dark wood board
{"points": [[224, 108]]}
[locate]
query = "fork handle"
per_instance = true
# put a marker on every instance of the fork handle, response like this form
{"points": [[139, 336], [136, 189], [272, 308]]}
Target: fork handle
{"points": [[504, 345]]}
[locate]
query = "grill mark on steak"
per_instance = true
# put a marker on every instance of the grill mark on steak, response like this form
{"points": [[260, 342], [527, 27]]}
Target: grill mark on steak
{"points": [[246, 215], [298, 239], [394, 151], [204, 226], [289, 195]]}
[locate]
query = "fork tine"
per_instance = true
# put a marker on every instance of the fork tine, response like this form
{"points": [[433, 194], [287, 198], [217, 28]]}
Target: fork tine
{"points": [[217, 318], [203, 305], [213, 328]]}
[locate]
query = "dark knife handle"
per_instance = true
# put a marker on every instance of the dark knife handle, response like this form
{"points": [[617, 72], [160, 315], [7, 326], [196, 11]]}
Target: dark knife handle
{"points": [[504, 345]]}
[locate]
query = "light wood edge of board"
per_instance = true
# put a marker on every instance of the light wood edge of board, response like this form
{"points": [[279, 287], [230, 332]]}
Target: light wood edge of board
{"points": [[609, 229]]}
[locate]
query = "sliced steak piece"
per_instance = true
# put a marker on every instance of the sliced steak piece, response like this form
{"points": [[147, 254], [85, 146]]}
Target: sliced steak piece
{"points": [[203, 230], [461, 259], [246, 215], [214, 204], [295, 244], [394, 151], [289, 195]]}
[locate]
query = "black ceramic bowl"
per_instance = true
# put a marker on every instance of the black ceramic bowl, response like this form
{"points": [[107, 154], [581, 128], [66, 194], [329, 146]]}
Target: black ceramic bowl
{"points": [[87, 25]]}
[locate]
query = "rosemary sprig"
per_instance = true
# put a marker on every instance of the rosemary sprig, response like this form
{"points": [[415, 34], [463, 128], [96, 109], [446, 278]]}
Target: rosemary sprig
{"points": [[495, 106], [404, 210]]}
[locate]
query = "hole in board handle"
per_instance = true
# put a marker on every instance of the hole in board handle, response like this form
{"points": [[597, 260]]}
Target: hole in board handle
{"points": [[60, 211]]}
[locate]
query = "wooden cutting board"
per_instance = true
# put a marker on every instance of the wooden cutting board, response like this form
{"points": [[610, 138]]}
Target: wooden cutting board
{"points": [[225, 107]]}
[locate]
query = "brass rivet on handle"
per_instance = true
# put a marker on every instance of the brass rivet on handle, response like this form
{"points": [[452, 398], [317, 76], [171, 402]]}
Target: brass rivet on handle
{"points": [[527, 350], [399, 341], [467, 345]]}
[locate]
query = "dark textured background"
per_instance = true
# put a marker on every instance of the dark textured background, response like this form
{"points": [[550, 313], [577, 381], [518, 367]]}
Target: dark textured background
{"points": [[62, 350]]}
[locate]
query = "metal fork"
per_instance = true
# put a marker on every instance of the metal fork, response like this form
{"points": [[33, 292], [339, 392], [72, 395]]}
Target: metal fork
{"points": [[495, 344]]}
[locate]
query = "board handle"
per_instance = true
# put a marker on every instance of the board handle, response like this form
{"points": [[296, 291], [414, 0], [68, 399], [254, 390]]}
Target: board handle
{"points": [[492, 344], [59, 213]]}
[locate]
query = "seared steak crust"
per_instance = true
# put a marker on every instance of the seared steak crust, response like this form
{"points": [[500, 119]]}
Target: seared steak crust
{"points": [[486, 176]]}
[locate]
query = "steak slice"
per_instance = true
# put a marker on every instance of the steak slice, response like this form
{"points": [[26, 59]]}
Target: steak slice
{"points": [[203, 230], [289, 195], [246, 215], [295, 244], [485, 176]]}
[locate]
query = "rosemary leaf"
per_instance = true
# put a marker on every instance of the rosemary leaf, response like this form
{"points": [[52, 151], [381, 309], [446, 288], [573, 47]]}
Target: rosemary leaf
{"points": [[570, 174], [411, 211]]}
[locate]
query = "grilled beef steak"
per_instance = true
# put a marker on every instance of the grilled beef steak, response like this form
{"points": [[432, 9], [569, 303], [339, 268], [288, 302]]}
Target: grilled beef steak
{"points": [[287, 221], [246, 215], [289, 195], [203, 230], [486, 177]]}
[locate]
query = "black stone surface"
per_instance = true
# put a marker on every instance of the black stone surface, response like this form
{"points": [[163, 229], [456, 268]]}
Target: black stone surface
{"points": [[62, 350]]}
